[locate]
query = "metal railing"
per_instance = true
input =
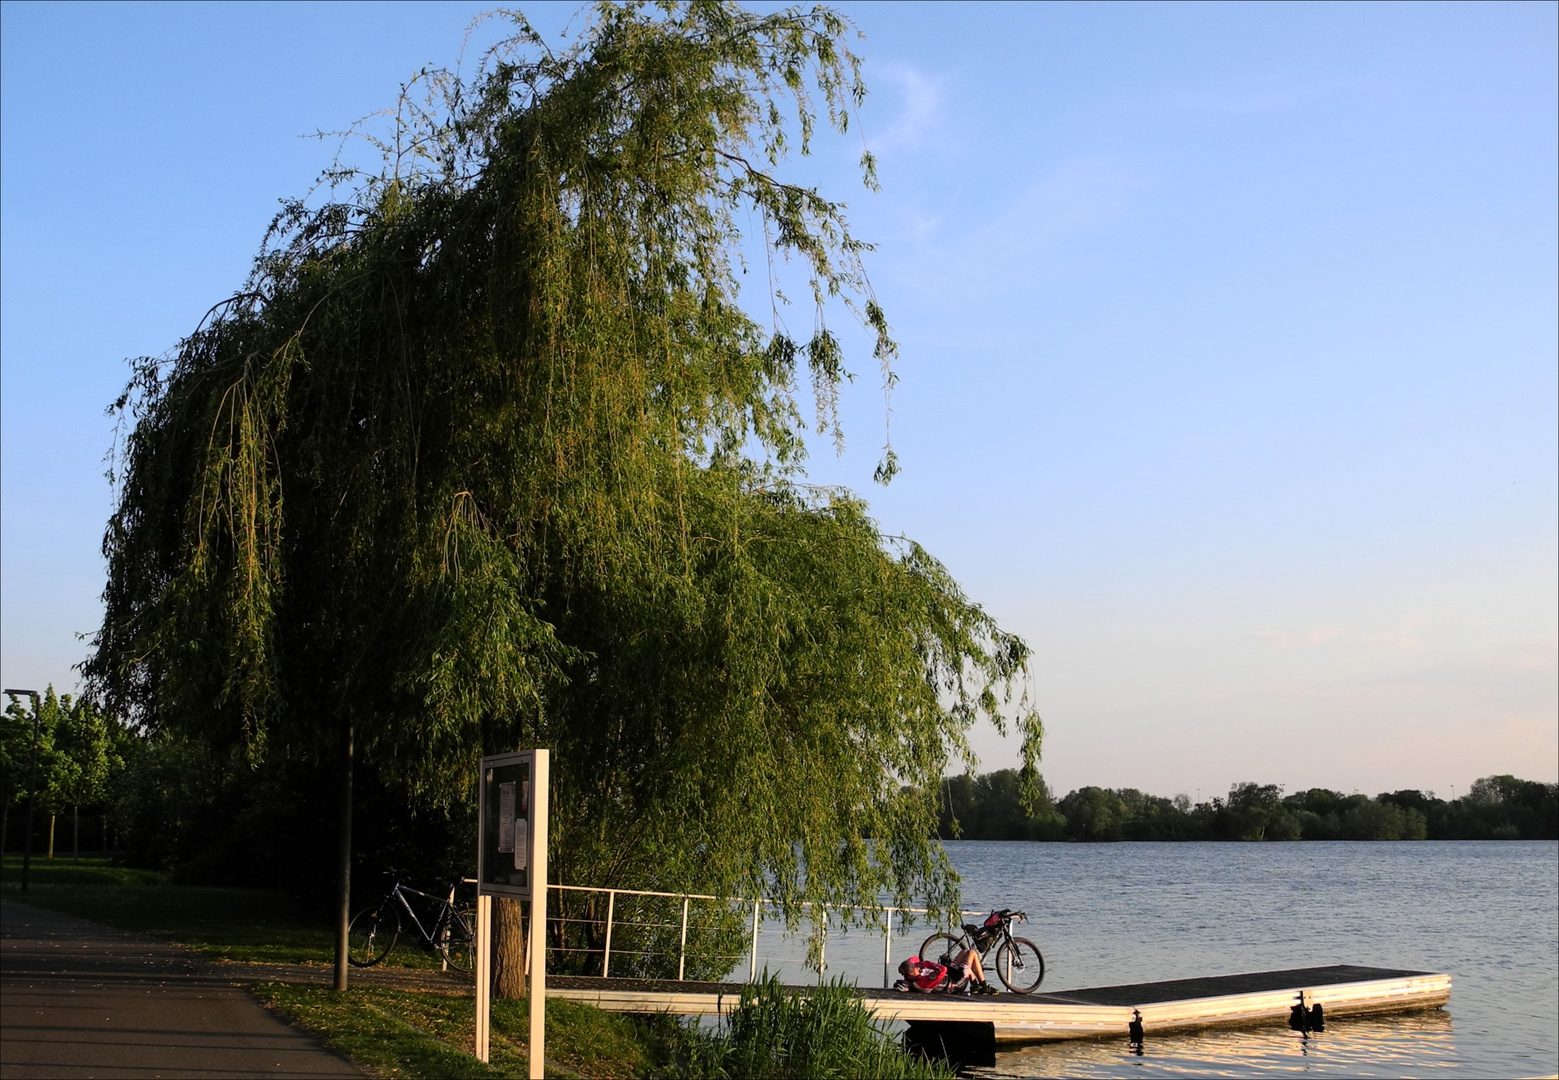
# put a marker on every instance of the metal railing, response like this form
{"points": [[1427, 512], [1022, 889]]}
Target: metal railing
{"points": [[613, 921]]}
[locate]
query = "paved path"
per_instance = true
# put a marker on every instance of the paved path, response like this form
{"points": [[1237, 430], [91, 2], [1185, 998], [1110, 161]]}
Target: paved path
{"points": [[81, 1000]]}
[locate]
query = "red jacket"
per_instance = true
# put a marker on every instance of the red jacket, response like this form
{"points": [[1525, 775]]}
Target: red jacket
{"points": [[930, 978]]}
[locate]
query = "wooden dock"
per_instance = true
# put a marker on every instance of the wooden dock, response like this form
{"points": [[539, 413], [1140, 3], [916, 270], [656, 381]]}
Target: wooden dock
{"points": [[1255, 998]]}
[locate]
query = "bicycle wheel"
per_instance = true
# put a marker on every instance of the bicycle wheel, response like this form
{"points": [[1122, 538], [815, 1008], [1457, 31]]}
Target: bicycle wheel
{"points": [[459, 940], [371, 935], [1020, 966], [941, 948]]}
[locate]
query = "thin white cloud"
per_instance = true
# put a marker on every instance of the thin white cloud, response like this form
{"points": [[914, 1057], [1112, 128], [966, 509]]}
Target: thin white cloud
{"points": [[1406, 635], [920, 98], [1023, 241], [1308, 639]]}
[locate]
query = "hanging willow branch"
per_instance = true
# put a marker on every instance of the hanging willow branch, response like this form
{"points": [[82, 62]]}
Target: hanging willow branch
{"points": [[488, 452]]}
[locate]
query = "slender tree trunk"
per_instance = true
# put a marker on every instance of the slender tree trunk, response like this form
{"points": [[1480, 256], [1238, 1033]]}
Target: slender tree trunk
{"points": [[5, 826], [52, 818], [344, 864], [508, 948], [75, 834]]}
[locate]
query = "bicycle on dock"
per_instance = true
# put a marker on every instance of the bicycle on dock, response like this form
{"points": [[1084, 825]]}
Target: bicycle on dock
{"points": [[1019, 964], [449, 932]]}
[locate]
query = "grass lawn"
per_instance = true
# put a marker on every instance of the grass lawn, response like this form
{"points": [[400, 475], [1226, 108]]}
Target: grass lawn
{"points": [[243, 925], [394, 1033]]}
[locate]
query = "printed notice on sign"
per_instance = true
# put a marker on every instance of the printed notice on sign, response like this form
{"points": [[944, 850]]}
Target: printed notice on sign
{"points": [[506, 820], [522, 828]]}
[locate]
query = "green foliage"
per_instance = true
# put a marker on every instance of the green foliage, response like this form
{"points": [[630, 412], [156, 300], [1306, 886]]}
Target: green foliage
{"points": [[1254, 809], [992, 807], [88, 755], [488, 453], [1093, 813], [1497, 807], [1502, 808], [81, 753], [1373, 820], [1153, 817], [823, 1032], [16, 745], [647, 938]]}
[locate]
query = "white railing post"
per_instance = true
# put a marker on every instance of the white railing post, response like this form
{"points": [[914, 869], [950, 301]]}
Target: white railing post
{"points": [[752, 969], [682, 955], [606, 955], [887, 949]]}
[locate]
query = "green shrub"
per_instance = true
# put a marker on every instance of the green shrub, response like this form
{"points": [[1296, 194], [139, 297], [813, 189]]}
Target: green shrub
{"points": [[823, 1033]]}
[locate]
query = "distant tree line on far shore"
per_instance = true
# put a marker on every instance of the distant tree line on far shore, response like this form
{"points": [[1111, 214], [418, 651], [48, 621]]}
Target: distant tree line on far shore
{"points": [[990, 807]]}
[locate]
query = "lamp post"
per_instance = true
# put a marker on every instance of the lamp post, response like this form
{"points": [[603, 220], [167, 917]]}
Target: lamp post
{"points": [[32, 781]]}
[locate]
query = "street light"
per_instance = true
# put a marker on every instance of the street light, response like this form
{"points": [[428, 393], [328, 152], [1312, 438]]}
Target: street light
{"points": [[32, 782]]}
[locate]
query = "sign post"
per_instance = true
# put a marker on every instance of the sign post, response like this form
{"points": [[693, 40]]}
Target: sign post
{"points": [[511, 861]]}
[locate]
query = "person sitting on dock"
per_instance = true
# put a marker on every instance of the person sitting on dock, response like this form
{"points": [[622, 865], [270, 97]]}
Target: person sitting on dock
{"points": [[963, 973]]}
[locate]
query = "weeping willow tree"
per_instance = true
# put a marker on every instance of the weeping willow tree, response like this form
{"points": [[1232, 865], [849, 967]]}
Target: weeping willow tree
{"points": [[488, 453]]}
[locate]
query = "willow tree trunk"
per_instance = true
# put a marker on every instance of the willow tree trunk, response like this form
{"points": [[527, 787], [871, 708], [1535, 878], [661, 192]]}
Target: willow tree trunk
{"points": [[508, 948], [52, 818]]}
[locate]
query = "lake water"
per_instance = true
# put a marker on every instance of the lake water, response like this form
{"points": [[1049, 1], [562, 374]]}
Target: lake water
{"points": [[1485, 912]]}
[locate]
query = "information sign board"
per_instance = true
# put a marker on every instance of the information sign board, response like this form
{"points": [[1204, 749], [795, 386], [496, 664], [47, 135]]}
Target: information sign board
{"points": [[508, 790], [511, 861]]}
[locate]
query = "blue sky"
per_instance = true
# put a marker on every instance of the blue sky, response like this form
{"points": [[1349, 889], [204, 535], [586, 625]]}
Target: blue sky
{"points": [[1229, 340]]}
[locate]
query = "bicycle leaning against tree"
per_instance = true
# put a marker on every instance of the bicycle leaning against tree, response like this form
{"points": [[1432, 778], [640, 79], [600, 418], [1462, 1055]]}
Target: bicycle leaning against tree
{"points": [[1019, 964], [450, 929]]}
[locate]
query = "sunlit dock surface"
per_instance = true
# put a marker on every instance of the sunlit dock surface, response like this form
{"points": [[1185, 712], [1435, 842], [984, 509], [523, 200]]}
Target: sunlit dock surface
{"points": [[1104, 1011]]}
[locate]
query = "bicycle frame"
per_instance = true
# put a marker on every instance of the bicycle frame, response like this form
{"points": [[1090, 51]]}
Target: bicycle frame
{"points": [[440, 922], [996, 941]]}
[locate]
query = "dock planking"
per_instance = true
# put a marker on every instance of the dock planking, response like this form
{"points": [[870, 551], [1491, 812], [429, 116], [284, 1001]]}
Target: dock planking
{"points": [[1136, 994], [1092, 1012]]}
